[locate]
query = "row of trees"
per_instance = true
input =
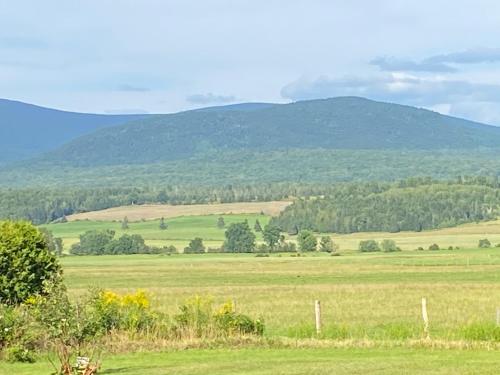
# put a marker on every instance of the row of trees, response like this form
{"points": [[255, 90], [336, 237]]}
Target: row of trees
{"points": [[102, 242]]}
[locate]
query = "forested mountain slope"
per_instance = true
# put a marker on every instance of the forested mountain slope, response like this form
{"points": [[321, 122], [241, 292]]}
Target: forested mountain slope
{"points": [[339, 123], [27, 129]]}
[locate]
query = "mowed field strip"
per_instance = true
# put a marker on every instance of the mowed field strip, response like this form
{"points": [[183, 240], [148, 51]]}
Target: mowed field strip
{"points": [[156, 211]]}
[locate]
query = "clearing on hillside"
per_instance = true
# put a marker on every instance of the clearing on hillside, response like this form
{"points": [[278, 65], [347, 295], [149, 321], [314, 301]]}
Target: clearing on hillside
{"points": [[156, 211]]}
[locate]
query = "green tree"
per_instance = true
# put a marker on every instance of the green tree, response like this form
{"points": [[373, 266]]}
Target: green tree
{"points": [[368, 246], [271, 235], [93, 242], [126, 244], [326, 245], [239, 238], [484, 243], [220, 222], [26, 263], [125, 223], [195, 246], [257, 227], [163, 225], [307, 241], [389, 246], [54, 244]]}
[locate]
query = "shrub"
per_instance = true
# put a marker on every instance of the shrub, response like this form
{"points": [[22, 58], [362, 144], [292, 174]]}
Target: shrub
{"points": [[199, 318], [434, 247], [307, 241], [195, 247], [25, 262], [389, 246], [326, 245], [19, 353], [368, 246], [484, 243]]}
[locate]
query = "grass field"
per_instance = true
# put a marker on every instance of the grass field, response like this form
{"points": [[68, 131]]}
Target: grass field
{"points": [[370, 309], [323, 361], [156, 211], [180, 229], [374, 296]]}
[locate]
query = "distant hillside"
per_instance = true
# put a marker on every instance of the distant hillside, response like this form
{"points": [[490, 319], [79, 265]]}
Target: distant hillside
{"points": [[339, 123], [26, 129]]}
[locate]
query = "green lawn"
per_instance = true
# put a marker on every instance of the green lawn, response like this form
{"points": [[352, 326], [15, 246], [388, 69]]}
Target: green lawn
{"points": [[290, 361]]}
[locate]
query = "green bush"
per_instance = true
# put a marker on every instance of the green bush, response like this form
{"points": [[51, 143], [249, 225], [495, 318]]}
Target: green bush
{"points": [[368, 246], [19, 353], [199, 318], [389, 246], [484, 243], [307, 241], [195, 247], [25, 262], [434, 247]]}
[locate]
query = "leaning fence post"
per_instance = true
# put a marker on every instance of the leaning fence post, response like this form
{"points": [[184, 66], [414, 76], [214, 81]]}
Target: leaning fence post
{"points": [[317, 313], [425, 317]]}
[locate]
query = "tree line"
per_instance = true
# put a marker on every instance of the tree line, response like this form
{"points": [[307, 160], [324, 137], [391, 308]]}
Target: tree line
{"points": [[408, 205]]}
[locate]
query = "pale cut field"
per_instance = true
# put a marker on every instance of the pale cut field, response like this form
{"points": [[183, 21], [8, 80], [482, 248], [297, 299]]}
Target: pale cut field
{"points": [[464, 236], [156, 211]]}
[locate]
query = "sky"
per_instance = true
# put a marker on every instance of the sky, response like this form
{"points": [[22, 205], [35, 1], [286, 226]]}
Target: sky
{"points": [[152, 56]]}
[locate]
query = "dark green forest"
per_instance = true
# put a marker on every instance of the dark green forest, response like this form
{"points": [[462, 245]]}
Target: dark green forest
{"points": [[409, 205]]}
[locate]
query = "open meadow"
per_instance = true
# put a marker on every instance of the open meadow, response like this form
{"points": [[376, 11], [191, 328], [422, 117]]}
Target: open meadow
{"points": [[197, 223], [370, 311]]}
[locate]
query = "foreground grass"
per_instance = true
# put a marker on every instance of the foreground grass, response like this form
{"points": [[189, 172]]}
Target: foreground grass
{"points": [[363, 295], [289, 361]]}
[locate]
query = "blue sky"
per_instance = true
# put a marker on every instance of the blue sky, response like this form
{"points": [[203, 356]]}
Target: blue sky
{"points": [[118, 56]]}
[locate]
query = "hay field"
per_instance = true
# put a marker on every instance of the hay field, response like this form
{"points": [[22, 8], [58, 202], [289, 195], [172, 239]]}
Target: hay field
{"points": [[156, 211]]}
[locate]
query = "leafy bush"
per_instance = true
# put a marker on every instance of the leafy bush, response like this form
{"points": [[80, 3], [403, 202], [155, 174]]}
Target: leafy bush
{"points": [[389, 246], [484, 243], [434, 247], [199, 318], [25, 262], [195, 247], [326, 245], [368, 246], [307, 241]]}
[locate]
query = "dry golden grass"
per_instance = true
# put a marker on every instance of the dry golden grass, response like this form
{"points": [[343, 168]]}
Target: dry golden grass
{"points": [[156, 211]]}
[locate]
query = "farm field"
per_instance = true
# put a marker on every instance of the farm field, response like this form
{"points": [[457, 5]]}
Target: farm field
{"points": [[156, 211], [364, 296], [289, 361], [180, 229], [184, 228]]}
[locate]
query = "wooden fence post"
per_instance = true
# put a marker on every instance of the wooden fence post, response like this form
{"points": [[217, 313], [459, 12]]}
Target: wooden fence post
{"points": [[425, 317], [317, 313], [498, 316]]}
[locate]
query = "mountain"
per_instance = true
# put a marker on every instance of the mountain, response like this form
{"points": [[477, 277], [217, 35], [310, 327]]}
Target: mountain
{"points": [[27, 129], [348, 123]]}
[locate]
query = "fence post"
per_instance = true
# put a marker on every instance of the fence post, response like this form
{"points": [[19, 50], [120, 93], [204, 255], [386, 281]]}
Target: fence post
{"points": [[317, 313], [425, 317], [498, 316]]}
